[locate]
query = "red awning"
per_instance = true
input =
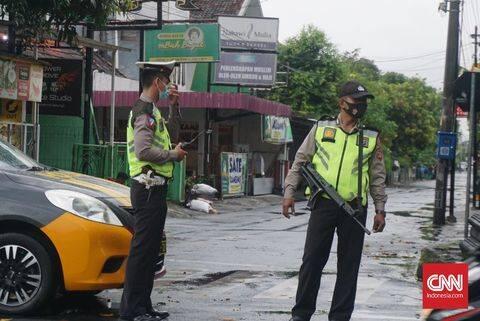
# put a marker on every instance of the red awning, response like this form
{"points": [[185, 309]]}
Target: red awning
{"points": [[201, 100]]}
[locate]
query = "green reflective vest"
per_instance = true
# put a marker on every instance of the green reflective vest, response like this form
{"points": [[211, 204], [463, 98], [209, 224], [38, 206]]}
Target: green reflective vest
{"points": [[160, 140], [336, 158]]}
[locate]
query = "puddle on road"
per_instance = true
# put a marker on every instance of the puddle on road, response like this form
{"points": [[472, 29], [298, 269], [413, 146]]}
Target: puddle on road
{"points": [[406, 214], [296, 213], [289, 274], [317, 312], [206, 279], [401, 213], [430, 233], [427, 208]]}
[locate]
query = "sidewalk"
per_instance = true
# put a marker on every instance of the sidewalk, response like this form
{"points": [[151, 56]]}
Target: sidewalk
{"points": [[229, 205]]}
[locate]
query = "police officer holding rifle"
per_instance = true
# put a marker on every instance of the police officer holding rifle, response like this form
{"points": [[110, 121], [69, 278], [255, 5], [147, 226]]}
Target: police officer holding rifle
{"points": [[343, 161], [151, 160]]}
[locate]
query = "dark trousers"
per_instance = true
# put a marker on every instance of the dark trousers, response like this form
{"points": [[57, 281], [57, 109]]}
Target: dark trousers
{"points": [[150, 215], [322, 224]]}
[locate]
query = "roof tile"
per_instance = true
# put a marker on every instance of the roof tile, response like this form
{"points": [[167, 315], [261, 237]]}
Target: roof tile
{"points": [[212, 8]]}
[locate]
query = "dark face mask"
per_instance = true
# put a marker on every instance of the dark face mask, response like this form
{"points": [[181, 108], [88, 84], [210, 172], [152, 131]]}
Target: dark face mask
{"points": [[357, 110]]}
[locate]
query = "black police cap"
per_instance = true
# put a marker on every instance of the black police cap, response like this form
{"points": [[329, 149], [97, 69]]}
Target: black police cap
{"points": [[355, 90]]}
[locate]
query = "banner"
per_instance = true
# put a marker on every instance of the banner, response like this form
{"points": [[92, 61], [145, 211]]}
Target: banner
{"points": [[183, 43], [276, 130], [36, 82], [234, 173], [20, 80], [249, 33], [8, 79], [247, 69], [11, 112], [62, 87]]}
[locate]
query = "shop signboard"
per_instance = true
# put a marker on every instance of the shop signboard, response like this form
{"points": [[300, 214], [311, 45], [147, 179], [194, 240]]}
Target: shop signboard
{"points": [[276, 130], [36, 82], [62, 87], [23, 72], [247, 33], [183, 43], [246, 69], [20, 80], [11, 113], [233, 173], [8, 79]]}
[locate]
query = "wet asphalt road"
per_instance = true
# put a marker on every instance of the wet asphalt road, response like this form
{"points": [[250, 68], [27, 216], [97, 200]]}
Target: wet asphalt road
{"points": [[243, 265]]}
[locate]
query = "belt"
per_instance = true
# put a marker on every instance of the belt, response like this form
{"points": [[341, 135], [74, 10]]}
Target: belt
{"points": [[149, 180]]}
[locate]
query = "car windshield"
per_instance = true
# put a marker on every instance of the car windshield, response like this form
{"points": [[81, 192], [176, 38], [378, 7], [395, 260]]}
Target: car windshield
{"points": [[11, 157]]}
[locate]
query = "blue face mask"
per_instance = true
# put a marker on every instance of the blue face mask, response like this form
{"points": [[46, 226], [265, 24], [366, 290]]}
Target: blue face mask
{"points": [[164, 94]]}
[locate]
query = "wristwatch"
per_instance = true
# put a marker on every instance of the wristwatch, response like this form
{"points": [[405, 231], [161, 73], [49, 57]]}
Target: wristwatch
{"points": [[381, 212]]}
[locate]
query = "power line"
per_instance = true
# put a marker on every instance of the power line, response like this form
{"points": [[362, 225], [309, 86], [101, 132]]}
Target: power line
{"points": [[412, 57]]}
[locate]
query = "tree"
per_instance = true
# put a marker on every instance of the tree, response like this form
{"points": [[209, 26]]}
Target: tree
{"points": [[35, 20], [415, 110], [314, 67], [361, 66], [392, 77], [405, 110]]}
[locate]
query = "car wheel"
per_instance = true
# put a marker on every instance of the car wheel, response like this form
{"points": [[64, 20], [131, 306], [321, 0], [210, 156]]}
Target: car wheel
{"points": [[27, 279]]}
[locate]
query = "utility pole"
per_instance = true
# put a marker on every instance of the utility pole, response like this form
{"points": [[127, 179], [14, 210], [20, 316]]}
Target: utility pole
{"points": [[88, 88], [447, 120], [473, 127]]}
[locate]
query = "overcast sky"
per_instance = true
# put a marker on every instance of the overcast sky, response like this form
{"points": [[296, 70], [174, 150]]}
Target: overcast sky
{"points": [[384, 30]]}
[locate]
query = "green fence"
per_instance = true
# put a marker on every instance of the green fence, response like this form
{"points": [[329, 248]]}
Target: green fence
{"points": [[58, 134], [95, 160]]}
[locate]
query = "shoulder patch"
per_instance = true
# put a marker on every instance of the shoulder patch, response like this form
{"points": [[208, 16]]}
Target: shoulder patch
{"points": [[150, 122], [379, 153], [329, 134]]}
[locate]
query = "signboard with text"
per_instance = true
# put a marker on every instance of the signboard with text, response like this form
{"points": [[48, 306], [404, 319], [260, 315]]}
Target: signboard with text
{"points": [[233, 173], [249, 33], [276, 130], [20, 80], [11, 112], [183, 43], [246, 69], [62, 87]]}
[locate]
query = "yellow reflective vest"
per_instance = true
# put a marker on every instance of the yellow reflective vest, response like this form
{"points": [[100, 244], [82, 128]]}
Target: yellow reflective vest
{"points": [[336, 158], [161, 140]]}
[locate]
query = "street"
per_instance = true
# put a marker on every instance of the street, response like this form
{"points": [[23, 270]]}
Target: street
{"points": [[243, 265]]}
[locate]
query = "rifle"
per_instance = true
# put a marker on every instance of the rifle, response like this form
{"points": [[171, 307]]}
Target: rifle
{"points": [[319, 185]]}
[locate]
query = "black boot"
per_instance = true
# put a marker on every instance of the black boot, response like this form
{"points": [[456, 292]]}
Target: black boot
{"points": [[160, 315]]}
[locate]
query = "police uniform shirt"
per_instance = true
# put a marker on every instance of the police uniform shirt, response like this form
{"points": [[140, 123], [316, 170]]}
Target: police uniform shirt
{"points": [[144, 132], [305, 154]]}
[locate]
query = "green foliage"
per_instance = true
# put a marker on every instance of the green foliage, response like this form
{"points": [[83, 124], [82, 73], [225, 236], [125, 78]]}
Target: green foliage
{"points": [[40, 19], [314, 69], [405, 110]]}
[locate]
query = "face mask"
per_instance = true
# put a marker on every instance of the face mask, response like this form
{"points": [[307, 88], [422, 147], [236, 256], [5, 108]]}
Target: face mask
{"points": [[164, 93], [356, 110]]}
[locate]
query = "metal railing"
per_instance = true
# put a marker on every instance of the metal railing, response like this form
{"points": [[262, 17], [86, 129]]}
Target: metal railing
{"points": [[95, 160], [21, 135]]}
